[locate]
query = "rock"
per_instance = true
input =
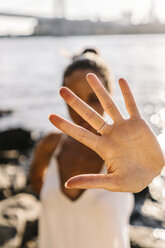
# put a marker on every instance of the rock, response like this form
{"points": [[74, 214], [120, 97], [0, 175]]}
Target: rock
{"points": [[32, 244], [5, 112], [18, 220], [12, 180], [9, 156], [5, 231], [157, 187], [18, 139], [31, 230], [139, 219], [145, 237], [154, 210]]}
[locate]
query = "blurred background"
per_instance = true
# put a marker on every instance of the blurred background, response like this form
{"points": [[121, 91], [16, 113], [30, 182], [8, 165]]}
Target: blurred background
{"points": [[36, 40]]}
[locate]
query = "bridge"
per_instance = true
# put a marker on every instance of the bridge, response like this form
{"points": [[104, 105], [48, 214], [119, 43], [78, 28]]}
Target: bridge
{"points": [[59, 12]]}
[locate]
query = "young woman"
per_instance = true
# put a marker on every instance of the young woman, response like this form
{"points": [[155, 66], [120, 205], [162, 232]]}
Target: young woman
{"points": [[74, 217]]}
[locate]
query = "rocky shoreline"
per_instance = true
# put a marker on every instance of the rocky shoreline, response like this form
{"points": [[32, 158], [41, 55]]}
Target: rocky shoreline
{"points": [[20, 207]]}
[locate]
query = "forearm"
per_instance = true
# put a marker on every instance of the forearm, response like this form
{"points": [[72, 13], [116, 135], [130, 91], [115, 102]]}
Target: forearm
{"points": [[36, 182], [38, 166]]}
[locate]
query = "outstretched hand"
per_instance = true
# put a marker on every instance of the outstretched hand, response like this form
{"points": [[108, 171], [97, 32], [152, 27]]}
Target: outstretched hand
{"points": [[129, 148]]}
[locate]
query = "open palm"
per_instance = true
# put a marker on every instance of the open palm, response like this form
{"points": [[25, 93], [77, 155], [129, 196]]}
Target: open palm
{"points": [[129, 148]]}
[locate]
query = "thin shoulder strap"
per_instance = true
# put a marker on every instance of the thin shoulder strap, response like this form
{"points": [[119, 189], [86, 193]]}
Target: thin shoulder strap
{"points": [[59, 146]]}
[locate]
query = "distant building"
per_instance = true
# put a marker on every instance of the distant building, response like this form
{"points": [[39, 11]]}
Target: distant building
{"points": [[59, 8], [152, 16]]}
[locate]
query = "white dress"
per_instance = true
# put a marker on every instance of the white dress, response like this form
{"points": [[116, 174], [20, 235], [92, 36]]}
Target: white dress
{"points": [[97, 219]]}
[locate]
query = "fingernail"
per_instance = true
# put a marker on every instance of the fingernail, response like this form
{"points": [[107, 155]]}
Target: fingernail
{"points": [[66, 186], [90, 74], [49, 116]]}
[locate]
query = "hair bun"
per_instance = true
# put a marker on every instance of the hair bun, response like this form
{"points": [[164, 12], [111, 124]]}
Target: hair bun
{"points": [[86, 50], [90, 50]]}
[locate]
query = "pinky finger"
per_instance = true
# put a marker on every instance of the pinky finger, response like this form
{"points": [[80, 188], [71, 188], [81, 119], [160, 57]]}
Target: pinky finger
{"points": [[91, 181], [77, 132]]}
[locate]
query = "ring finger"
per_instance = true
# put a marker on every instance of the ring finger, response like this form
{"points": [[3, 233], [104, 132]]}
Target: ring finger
{"points": [[85, 111], [105, 99]]}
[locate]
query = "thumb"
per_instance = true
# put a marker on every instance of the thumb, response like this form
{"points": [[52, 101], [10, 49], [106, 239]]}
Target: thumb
{"points": [[91, 181]]}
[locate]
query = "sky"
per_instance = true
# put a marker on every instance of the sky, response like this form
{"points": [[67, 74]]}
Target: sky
{"points": [[104, 9]]}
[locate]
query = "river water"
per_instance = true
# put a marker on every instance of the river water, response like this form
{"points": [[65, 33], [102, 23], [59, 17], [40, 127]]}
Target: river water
{"points": [[31, 73]]}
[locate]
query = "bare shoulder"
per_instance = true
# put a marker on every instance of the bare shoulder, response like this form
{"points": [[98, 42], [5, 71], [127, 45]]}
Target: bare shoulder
{"points": [[49, 142], [52, 137]]}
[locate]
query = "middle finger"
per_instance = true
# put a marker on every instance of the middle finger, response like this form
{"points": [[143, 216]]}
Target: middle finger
{"points": [[105, 99], [85, 111]]}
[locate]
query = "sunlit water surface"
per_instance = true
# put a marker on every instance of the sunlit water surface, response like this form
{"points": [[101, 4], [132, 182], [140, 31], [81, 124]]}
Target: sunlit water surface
{"points": [[31, 73]]}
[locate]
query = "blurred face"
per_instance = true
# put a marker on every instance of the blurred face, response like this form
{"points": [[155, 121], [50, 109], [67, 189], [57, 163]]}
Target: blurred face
{"points": [[78, 84]]}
